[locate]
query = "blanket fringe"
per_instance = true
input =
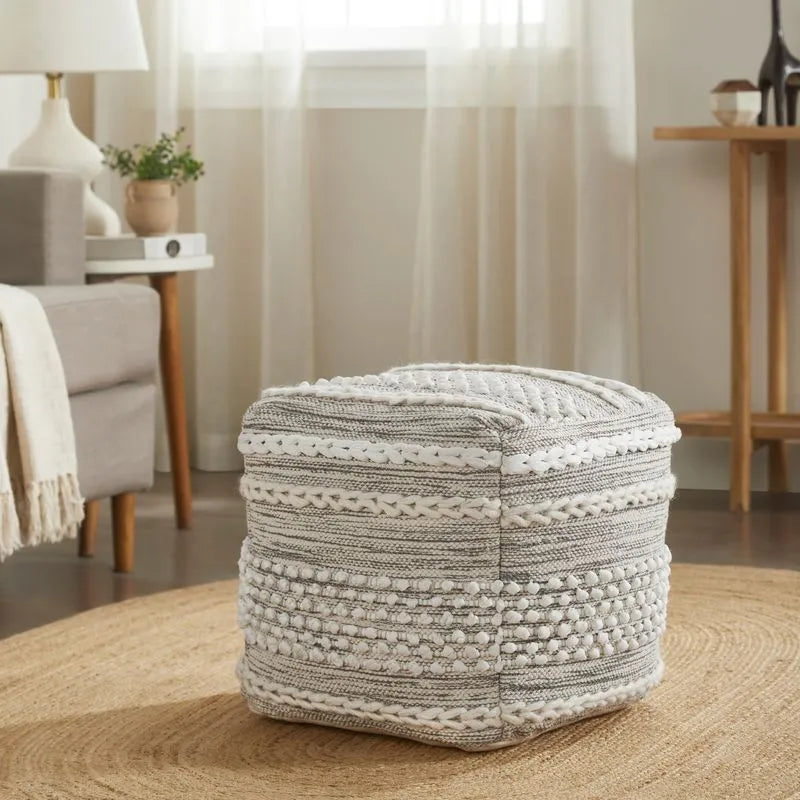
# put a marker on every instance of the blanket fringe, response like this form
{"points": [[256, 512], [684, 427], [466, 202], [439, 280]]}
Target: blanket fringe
{"points": [[9, 526], [49, 511]]}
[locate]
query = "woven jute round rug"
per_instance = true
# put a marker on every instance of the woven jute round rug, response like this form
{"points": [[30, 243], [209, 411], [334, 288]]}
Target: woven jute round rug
{"points": [[139, 700]]}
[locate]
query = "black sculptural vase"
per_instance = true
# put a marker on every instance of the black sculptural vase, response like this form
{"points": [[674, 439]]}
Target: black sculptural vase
{"points": [[780, 71]]}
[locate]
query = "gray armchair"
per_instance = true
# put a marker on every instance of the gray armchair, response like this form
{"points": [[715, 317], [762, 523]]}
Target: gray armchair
{"points": [[107, 336]]}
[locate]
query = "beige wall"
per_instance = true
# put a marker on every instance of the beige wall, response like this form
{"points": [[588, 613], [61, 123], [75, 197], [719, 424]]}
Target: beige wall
{"points": [[80, 91], [683, 49], [20, 101]]}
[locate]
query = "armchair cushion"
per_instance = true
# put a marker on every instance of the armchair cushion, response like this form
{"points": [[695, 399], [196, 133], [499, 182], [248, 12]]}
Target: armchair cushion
{"points": [[114, 436], [107, 334]]}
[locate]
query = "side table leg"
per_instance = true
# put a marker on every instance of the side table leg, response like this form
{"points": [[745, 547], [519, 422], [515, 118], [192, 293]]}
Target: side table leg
{"points": [[123, 517], [166, 285], [741, 442], [776, 288]]}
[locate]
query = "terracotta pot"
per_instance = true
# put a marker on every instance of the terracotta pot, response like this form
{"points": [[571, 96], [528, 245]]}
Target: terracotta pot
{"points": [[151, 207]]}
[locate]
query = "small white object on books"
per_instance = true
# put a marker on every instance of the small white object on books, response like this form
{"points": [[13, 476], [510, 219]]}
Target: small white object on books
{"points": [[176, 245]]}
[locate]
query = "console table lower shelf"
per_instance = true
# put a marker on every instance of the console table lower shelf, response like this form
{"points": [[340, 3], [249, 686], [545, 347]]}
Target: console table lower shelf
{"points": [[769, 429], [767, 426]]}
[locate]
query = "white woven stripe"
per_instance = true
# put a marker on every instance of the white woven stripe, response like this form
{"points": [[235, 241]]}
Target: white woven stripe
{"points": [[586, 451], [584, 505], [437, 718], [442, 507], [392, 505], [376, 452], [558, 457]]}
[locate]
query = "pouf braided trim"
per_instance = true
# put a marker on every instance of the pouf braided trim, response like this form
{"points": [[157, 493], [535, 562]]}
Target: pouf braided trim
{"points": [[646, 493], [557, 457], [458, 719], [443, 507], [253, 443], [393, 505], [587, 450]]}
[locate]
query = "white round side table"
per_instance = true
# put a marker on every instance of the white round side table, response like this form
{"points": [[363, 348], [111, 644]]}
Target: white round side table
{"points": [[163, 275]]}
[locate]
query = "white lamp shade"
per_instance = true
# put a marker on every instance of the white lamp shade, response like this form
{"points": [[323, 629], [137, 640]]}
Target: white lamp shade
{"points": [[70, 36]]}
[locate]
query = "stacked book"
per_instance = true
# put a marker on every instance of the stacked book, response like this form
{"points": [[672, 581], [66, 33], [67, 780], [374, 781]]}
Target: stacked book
{"points": [[175, 245]]}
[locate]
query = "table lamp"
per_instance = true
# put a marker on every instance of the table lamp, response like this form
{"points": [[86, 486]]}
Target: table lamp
{"points": [[60, 36]]}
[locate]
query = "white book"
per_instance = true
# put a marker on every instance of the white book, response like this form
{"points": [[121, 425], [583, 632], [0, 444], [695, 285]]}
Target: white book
{"points": [[176, 245]]}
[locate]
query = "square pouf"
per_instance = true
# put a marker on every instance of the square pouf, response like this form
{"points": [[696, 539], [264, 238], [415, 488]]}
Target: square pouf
{"points": [[466, 555]]}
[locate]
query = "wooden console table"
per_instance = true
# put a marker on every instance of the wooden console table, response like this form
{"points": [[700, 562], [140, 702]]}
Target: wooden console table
{"points": [[773, 428]]}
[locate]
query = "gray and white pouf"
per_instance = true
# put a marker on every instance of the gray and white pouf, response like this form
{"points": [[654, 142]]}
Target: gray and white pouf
{"points": [[467, 555]]}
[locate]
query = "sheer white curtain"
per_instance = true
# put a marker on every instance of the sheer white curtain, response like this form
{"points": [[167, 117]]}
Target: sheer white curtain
{"points": [[525, 232], [249, 322], [526, 239]]}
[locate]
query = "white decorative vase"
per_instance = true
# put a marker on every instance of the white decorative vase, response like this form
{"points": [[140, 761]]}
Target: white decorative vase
{"points": [[56, 143]]}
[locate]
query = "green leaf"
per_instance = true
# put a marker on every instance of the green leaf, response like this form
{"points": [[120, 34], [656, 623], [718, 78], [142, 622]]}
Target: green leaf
{"points": [[163, 160]]}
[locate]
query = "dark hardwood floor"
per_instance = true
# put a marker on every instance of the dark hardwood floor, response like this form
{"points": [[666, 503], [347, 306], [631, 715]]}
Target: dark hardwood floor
{"points": [[43, 584]]}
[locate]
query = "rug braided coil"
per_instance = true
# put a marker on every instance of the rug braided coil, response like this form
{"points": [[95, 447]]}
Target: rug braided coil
{"points": [[138, 701], [463, 555]]}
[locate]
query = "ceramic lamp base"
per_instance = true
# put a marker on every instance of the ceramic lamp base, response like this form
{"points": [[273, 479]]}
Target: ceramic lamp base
{"points": [[56, 143]]}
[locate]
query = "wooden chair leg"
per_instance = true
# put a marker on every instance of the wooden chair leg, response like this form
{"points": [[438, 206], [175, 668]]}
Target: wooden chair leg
{"points": [[123, 513], [88, 532]]}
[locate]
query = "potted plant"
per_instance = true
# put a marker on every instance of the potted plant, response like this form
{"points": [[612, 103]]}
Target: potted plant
{"points": [[151, 202]]}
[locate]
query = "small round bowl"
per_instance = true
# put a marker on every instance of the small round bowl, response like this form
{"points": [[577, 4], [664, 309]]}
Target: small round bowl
{"points": [[736, 108]]}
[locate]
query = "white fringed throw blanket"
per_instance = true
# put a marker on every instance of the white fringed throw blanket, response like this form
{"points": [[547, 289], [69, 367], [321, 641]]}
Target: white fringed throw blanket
{"points": [[39, 496]]}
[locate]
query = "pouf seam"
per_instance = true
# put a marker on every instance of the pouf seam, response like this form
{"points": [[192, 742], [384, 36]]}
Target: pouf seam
{"points": [[501, 444]]}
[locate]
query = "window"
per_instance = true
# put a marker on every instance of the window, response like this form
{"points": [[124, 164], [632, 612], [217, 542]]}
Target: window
{"points": [[359, 53], [241, 26]]}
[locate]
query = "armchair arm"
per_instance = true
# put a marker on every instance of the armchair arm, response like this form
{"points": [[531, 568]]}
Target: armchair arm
{"points": [[41, 227]]}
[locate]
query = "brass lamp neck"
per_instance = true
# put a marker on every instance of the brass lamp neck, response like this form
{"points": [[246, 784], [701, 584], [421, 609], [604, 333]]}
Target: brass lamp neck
{"points": [[54, 85]]}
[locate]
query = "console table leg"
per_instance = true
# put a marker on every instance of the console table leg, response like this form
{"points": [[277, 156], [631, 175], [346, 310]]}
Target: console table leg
{"points": [[776, 316], [741, 443]]}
